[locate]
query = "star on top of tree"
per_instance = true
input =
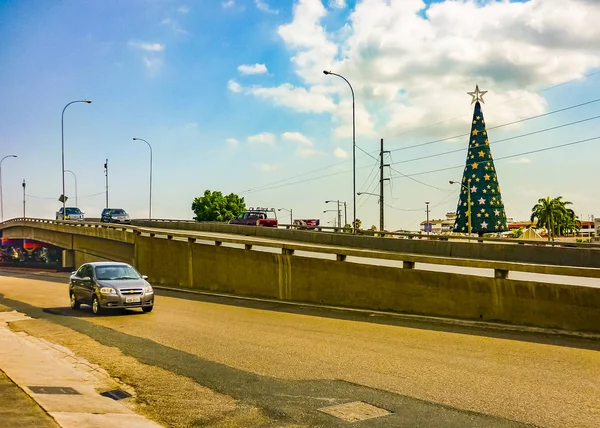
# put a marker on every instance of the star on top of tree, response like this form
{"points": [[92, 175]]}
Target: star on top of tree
{"points": [[477, 95]]}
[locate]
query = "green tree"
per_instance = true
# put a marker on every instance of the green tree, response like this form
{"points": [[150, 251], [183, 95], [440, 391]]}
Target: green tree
{"points": [[213, 206], [554, 215]]}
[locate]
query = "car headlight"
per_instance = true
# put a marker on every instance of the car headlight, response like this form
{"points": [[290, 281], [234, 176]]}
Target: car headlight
{"points": [[108, 290], [148, 289]]}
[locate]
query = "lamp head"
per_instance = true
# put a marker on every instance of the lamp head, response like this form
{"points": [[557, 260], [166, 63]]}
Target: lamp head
{"points": [[326, 72], [452, 182], [134, 138], [87, 101]]}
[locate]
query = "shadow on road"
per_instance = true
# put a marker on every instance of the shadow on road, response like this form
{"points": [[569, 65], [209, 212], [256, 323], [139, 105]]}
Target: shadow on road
{"points": [[86, 312], [497, 331]]}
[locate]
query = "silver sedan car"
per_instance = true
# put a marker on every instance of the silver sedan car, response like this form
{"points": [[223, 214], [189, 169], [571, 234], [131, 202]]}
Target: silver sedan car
{"points": [[110, 285]]}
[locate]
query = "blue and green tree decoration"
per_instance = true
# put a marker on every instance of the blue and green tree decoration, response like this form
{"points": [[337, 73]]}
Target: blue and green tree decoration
{"points": [[481, 181]]}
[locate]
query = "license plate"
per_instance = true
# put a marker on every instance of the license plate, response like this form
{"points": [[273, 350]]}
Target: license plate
{"points": [[133, 299]]}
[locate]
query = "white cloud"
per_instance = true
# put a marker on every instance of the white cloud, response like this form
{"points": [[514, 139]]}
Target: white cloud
{"points": [[410, 70], [268, 167], [252, 69], [295, 97], [228, 3], [340, 153], [261, 5], [296, 136], [148, 47], [262, 138], [232, 141], [152, 64], [234, 86], [521, 160], [183, 9], [305, 152], [337, 4]]}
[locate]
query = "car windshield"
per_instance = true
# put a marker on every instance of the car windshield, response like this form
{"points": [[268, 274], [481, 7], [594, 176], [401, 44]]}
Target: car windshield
{"points": [[73, 211], [116, 272], [118, 212]]}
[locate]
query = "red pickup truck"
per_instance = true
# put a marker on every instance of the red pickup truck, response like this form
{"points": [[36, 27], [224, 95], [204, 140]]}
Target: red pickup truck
{"points": [[255, 218]]}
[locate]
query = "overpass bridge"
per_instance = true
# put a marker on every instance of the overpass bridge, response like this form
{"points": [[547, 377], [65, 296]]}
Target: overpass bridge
{"points": [[343, 270]]}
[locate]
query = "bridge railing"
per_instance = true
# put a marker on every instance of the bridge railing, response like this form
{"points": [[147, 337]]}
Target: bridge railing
{"points": [[501, 269]]}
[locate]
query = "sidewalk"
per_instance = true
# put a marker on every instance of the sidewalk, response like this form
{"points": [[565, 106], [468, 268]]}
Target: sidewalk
{"points": [[29, 362]]}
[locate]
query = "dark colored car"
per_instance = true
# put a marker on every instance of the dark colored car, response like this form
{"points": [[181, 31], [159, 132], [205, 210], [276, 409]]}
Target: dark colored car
{"points": [[73, 213], [255, 218], [114, 215], [110, 285]]}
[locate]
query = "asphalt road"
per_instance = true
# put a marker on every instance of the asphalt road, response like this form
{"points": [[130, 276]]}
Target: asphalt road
{"points": [[290, 360]]}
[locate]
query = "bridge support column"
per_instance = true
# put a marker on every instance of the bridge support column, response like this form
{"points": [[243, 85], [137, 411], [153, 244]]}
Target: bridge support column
{"points": [[68, 258], [191, 242], [408, 265]]}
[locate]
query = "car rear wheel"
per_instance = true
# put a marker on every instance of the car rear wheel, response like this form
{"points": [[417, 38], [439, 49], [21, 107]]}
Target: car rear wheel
{"points": [[147, 308], [96, 308], [74, 303]]}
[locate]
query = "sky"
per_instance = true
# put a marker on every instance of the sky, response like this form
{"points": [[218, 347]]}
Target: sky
{"points": [[231, 96]]}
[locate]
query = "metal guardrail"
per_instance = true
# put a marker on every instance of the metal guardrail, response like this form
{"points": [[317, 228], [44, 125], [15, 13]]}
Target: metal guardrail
{"points": [[501, 269], [405, 235]]}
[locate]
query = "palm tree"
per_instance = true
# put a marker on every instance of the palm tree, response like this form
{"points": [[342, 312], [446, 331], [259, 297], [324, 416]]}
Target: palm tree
{"points": [[553, 214]]}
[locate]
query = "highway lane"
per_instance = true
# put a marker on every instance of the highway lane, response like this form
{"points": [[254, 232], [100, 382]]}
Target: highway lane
{"points": [[290, 360]]}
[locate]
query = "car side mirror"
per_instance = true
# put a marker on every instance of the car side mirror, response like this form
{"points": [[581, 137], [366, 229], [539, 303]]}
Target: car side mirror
{"points": [[87, 279], [74, 272], [144, 276]]}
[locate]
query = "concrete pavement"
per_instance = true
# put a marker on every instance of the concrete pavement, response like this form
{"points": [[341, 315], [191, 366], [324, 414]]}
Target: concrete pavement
{"points": [[65, 386], [293, 361]]}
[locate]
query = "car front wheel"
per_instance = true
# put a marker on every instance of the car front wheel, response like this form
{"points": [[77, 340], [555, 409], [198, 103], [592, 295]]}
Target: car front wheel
{"points": [[74, 303], [96, 308]]}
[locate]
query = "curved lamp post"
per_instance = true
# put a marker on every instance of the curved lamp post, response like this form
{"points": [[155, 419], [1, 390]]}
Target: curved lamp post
{"points": [[75, 177], [149, 146], [468, 189], [353, 147], [1, 200], [62, 132]]}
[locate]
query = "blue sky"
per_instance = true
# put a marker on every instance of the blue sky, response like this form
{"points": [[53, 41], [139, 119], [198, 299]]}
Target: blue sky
{"points": [[231, 96]]}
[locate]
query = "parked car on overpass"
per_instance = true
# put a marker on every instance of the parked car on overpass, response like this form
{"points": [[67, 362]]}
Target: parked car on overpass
{"points": [[72, 213], [110, 285]]}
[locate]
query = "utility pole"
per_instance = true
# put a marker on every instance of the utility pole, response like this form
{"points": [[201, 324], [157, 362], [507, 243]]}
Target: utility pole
{"points": [[339, 212], [345, 214], [106, 175], [427, 228], [381, 180], [24, 198]]}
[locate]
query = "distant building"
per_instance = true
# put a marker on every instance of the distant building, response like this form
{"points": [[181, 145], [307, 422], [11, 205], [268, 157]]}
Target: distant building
{"points": [[439, 226]]}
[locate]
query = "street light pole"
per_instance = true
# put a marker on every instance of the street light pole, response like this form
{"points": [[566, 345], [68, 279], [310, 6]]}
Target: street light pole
{"points": [[339, 212], [291, 214], [24, 198], [427, 224], [62, 133], [150, 147], [75, 177], [353, 147], [468, 189], [1, 199]]}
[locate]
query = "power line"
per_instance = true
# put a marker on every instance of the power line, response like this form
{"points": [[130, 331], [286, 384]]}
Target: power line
{"points": [[420, 209], [497, 126], [53, 198], [500, 141], [508, 101], [509, 156]]}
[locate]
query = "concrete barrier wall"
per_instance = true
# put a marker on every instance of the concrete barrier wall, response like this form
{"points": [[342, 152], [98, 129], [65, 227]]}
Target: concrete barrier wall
{"points": [[303, 279], [178, 263], [539, 253]]}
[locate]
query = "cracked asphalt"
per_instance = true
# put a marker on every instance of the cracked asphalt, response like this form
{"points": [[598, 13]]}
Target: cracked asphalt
{"points": [[291, 361]]}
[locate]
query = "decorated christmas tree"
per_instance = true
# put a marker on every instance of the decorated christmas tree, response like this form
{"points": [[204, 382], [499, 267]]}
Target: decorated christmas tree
{"points": [[479, 184]]}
